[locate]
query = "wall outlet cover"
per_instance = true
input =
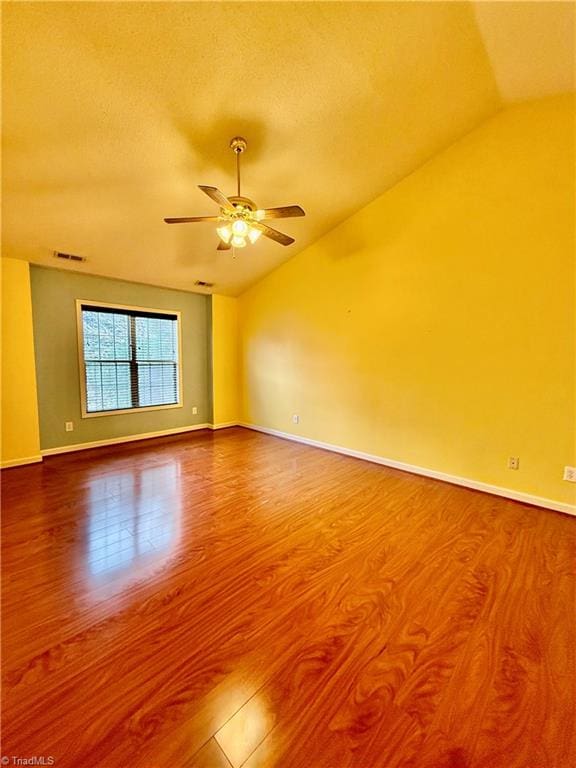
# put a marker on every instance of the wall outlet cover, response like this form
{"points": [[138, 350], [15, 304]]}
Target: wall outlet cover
{"points": [[69, 426], [570, 474]]}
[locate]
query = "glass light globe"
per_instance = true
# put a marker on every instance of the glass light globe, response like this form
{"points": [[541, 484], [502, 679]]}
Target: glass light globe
{"points": [[238, 241], [224, 233], [240, 228], [253, 234]]}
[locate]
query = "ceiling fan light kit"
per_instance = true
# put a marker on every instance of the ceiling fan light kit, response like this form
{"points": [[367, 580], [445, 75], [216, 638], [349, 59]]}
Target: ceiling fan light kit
{"points": [[240, 220]]}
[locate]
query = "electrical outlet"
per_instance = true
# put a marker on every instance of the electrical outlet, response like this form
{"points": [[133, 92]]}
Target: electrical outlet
{"points": [[69, 426], [295, 419], [194, 410], [570, 474], [513, 462]]}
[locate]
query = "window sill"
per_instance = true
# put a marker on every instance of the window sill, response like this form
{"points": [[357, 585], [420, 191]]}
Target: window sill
{"points": [[95, 414]]}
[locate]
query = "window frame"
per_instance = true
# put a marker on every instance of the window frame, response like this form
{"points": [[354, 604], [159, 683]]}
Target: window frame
{"points": [[82, 363]]}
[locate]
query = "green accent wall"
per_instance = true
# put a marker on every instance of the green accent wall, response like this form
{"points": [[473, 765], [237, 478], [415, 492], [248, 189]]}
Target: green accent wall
{"points": [[54, 294]]}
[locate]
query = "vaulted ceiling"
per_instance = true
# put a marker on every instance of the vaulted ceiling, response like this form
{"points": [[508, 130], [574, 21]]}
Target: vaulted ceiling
{"points": [[113, 113]]}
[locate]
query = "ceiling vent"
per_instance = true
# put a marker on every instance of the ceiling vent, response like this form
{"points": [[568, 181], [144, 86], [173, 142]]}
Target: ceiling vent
{"points": [[68, 256], [204, 284]]}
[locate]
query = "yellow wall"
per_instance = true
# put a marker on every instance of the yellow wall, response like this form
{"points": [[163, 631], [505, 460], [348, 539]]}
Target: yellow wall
{"points": [[435, 326], [225, 383], [20, 436]]}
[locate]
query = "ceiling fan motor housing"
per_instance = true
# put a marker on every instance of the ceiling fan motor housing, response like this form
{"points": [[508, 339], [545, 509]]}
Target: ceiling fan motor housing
{"points": [[243, 202]]}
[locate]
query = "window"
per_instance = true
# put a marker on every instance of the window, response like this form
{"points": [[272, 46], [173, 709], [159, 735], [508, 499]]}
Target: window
{"points": [[129, 358]]}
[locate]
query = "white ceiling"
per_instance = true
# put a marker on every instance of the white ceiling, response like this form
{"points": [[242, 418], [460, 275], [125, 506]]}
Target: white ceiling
{"points": [[113, 113]]}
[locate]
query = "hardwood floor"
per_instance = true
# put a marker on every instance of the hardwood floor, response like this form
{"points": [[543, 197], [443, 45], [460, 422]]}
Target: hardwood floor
{"points": [[232, 599]]}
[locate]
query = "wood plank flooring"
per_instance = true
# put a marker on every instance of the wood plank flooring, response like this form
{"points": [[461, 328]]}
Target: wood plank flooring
{"points": [[230, 599]]}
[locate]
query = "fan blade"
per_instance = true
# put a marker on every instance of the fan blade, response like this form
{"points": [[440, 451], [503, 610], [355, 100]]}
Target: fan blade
{"points": [[282, 212], [217, 196], [223, 246], [273, 234], [188, 219]]}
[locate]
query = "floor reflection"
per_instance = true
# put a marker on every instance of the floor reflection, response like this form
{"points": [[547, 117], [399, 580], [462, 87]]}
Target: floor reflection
{"points": [[247, 729], [134, 517]]}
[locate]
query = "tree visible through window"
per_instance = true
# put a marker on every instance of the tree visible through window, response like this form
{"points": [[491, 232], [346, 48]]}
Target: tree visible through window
{"points": [[130, 358]]}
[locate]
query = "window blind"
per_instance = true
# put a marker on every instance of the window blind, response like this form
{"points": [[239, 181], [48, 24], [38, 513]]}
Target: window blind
{"points": [[130, 358]]}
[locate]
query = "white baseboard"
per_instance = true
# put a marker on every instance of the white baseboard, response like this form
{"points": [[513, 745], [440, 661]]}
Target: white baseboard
{"points": [[21, 462], [476, 485], [117, 440], [466, 482]]}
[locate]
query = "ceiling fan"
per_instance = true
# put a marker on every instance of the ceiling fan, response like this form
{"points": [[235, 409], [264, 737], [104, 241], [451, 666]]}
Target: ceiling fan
{"points": [[240, 221]]}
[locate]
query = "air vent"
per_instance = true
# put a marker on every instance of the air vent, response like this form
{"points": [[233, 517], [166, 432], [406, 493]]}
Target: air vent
{"points": [[68, 256], [204, 284]]}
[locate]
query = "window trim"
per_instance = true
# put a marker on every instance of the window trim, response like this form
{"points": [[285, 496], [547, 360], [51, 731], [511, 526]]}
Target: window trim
{"points": [[82, 366]]}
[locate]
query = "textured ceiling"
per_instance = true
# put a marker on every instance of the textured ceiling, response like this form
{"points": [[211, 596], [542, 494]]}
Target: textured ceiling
{"points": [[113, 113]]}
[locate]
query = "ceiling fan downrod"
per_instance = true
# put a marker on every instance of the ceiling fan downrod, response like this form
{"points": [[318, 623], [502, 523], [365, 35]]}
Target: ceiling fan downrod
{"points": [[238, 145]]}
